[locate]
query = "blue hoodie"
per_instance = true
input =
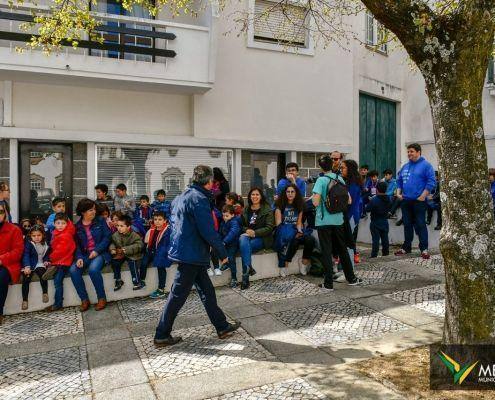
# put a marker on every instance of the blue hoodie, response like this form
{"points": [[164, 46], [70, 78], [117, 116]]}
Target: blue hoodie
{"points": [[492, 188], [391, 187], [415, 177]]}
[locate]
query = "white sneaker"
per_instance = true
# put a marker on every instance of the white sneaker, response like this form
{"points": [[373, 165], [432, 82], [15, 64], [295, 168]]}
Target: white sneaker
{"points": [[339, 277], [210, 272], [283, 272], [218, 272], [303, 269]]}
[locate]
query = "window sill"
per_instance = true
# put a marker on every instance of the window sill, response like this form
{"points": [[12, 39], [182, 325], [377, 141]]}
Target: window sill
{"points": [[374, 49], [305, 51]]}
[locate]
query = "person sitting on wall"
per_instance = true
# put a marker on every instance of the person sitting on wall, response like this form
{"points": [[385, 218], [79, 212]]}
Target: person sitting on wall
{"points": [[161, 203], [291, 176], [122, 201], [58, 206], [144, 212], [5, 196], [433, 203], [102, 196], [220, 187]]}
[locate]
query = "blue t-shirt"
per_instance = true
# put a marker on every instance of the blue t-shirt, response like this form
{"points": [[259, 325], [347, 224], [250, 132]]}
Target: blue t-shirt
{"points": [[284, 182], [323, 217], [290, 215]]}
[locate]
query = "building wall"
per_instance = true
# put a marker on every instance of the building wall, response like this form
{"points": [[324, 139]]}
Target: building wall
{"points": [[4, 160]]}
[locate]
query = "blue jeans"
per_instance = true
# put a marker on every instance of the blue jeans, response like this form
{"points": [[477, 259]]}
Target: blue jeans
{"points": [[414, 219], [133, 267], [247, 247], [94, 270], [187, 276], [58, 281], [231, 252]]}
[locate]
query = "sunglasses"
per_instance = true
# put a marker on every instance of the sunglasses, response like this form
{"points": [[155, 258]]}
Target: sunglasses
{"points": [[290, 191], [26, 226]]}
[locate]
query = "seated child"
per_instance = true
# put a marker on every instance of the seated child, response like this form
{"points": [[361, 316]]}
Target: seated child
{"points": [[63, 247], [160, 204], [379, 207], [230, 230], [144, 212], [126, 246], [25, 226], [157, 241], [58, 206], [233, 199], [34, 261]]}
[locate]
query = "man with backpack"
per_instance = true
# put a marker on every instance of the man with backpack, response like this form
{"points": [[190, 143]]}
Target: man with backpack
{"points": [[330, 198]]}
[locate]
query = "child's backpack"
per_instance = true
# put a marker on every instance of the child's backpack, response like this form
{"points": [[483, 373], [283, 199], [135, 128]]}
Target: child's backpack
{"points": [[316, 264], [337, 198]]}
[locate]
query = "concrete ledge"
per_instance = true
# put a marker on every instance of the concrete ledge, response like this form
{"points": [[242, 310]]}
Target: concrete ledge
{"points": [[265, 263]]}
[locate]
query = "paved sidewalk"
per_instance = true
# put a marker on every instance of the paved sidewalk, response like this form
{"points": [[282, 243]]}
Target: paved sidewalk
{"points": [[296, 341]]}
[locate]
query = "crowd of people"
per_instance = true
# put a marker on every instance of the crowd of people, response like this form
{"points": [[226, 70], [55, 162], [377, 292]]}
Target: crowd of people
{"points": [[120, 230]]}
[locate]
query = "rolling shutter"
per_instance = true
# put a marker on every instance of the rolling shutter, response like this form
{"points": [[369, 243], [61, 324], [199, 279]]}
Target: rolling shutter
{"points": [[285, 23], [146, 169]]}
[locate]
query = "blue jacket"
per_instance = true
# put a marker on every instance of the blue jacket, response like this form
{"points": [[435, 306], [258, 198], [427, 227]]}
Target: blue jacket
{"points": [[101, 235], [164, 206], [284, 233], [391, 186], [230, 231], [492, 189], [284, 182], [415, 177], [354, 210], [193, 232], [379, 207], [30, 256], [50, 223], [143, 215], [162, 247]]}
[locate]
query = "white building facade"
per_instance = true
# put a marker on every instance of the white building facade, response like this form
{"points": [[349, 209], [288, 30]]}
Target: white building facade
{"points": [[199, 94]]}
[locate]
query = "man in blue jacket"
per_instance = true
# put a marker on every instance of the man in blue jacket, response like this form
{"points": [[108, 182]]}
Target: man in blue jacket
{"points": [[193, 234], [415, 181], [291, 176]]}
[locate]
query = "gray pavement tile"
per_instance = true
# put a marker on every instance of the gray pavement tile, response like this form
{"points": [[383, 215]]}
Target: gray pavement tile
{"points": [[430, 299], [111, 364], [378, 273], [108, 317], [107, 334], [136, 392], [296, 388], [201, 351], [434, 264], [40, 325], [55, 374], [310, 362], [338, 322], [245, 311]]}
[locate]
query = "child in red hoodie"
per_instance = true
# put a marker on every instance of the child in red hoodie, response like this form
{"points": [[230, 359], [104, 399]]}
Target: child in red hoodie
{"points": [[63, 246]]}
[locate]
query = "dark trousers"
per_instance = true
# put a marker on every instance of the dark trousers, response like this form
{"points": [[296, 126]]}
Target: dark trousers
{"points": [[187, 276], [429, 213], [26, 280], [148, 257], [330, 236], [286, 256], [232, 265], [379, 232], [134, 267], [162, 277], [395, 204], [414, 218], [4, 286]]}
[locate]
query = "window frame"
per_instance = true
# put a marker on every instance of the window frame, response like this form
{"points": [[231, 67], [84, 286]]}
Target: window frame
{"points": [[377, 31]]}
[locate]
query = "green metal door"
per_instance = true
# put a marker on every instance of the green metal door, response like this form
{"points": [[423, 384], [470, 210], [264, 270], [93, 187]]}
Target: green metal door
{"points": [[377, 133]]}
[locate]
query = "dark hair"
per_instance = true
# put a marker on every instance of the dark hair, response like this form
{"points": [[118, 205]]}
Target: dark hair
{"points": [[61, 217], [159, 214], [364, 166], [101, 208], [282, 200], [218, 175], [341, 156], [160, 192], [292, 165], [126, 219], [262, 194], [102, 187], [3, 186], [388, 171], [325, 162], [491, 171], [144, 197], [415, 146], [202, 175], [373, 173], [352, 172], [57, 200], [38, 228], [84, 205], [235, 198], [117, 214], [228, 209], [121, 186], [381, 187]]}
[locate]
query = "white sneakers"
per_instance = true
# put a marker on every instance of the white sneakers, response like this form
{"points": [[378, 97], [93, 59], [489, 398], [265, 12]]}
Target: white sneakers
{"points": [[210, 272], [218, 272], [303, 269], [282, 272]]}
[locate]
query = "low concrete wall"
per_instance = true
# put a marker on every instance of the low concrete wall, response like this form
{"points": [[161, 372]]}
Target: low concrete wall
{"points": [[264, 263]]}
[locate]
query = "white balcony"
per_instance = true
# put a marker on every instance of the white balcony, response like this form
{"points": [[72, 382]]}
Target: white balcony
{"points": [[190, 70]]}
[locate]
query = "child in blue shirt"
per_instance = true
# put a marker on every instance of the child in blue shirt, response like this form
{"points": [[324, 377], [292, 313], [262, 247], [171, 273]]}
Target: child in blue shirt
{"points": [[379, 207], [144, 212], [58, 206], [230, 230], [160, 204]]}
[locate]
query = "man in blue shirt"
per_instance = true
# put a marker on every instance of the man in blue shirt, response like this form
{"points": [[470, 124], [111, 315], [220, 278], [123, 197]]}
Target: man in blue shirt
{"points": [[415, 181], [330, 227], [192, 236], [291, 176]]}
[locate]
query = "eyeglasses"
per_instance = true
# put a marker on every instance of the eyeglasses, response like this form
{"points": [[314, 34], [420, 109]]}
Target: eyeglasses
{"points": [[290, 192], [26, 226]]}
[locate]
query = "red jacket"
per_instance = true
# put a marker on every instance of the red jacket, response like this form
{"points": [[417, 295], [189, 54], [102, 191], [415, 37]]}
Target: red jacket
{"points": [[63, 246], [11, 249]]}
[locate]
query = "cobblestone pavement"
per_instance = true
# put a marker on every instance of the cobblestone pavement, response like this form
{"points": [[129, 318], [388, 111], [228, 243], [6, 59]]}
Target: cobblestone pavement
{"points": [[339, 322], [290, 389], [200, 351], [143, 309], [39, 325], [435, 263], [430, 298], [373, 274], [60, 374], [274, 289]]}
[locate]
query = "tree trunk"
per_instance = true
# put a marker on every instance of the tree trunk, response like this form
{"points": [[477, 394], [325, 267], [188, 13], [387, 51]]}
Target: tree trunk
{"points": [[467, 240]]}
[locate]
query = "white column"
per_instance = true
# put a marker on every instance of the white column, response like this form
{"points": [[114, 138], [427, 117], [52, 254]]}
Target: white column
{"points": [[237, 184], [292, 157], [14, 179], [7, 103], [91, 169]]}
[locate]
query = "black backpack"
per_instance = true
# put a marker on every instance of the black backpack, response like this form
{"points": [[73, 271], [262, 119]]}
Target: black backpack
{"points": [[337, 198]]}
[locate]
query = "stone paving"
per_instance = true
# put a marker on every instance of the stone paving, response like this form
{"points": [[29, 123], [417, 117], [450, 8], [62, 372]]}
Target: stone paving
{"points": [[289, 327], [435, 263]]}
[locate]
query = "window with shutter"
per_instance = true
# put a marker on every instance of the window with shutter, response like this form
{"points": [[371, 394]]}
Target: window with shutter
{"points": [[375, 33], [280, 23]]}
